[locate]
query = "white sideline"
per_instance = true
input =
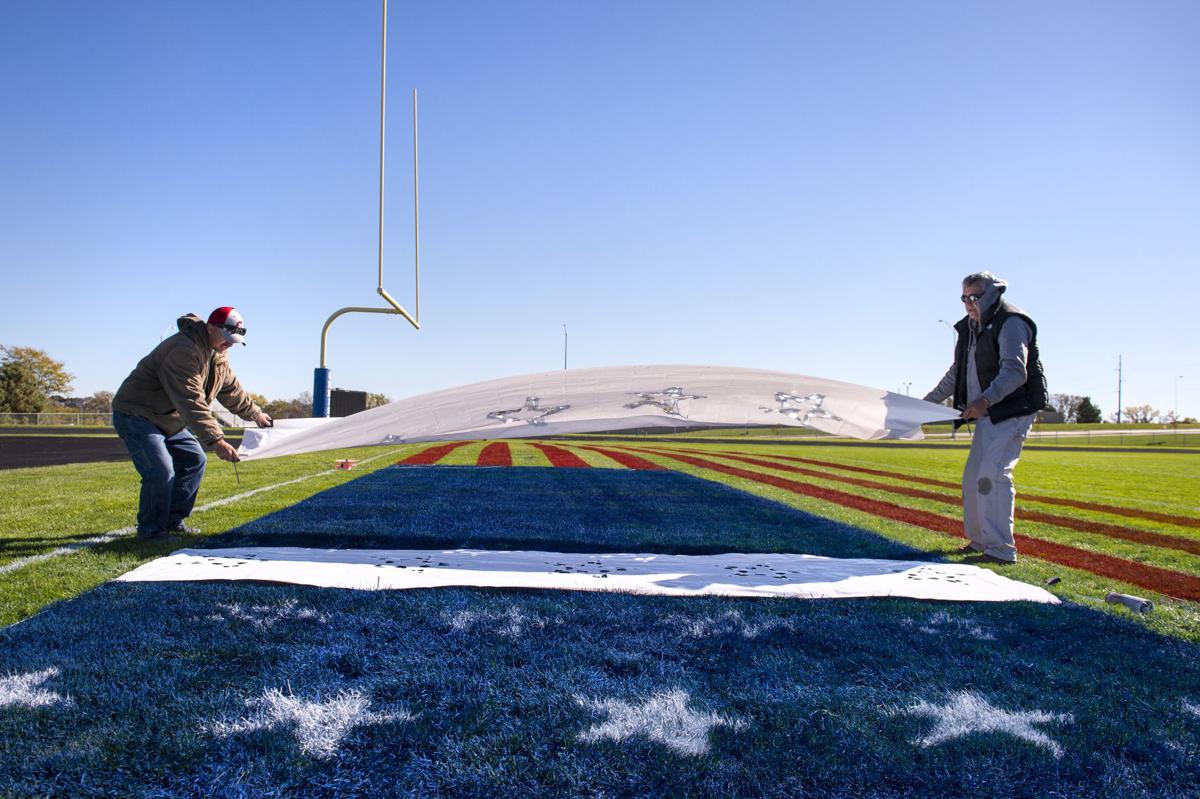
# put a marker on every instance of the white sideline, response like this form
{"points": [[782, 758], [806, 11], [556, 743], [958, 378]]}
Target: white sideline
{"points": [[112, 535]]}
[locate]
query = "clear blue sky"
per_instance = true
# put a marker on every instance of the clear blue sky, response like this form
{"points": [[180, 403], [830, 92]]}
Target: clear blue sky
{"points": [[786, 185]]}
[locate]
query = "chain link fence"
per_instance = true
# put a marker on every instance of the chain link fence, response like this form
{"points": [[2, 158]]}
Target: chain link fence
{"points": [[80, 419]]}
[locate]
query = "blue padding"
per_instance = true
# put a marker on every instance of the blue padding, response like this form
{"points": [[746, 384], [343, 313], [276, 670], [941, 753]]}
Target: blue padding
{"points": [[554, 509]]}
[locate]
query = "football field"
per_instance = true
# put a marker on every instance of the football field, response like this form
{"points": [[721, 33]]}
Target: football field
{"points": [[243, 688]]}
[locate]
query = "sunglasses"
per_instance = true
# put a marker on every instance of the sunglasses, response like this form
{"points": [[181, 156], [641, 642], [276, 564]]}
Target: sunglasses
{"points": [[237, 331], [971, 298]]}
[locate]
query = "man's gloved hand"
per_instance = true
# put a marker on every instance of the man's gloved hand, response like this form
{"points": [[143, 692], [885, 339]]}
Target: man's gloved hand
{"points": [[225, 451]]}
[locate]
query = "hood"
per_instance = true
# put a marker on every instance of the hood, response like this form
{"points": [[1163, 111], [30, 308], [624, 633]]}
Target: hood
{"points": [[989, 303], [195, 327]]}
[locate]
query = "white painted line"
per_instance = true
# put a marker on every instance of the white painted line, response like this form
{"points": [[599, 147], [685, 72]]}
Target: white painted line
{"points": [[112, 535]]}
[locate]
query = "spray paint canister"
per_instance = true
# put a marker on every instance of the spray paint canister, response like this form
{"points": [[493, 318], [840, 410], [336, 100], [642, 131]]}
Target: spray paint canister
{"points": [[1134, 603]]}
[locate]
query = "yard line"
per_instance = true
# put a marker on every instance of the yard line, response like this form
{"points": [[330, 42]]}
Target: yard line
{"points": [[1116, 510], [561, 457], [495, 454], [112, 535], [1071, 523], [1164, 581]]}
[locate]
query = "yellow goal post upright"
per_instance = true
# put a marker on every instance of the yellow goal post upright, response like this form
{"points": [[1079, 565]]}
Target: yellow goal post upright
{"points": [[321, 373]]}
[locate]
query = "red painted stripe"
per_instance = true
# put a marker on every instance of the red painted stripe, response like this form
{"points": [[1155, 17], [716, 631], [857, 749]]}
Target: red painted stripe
{"points": [[495, 454], [1164, 581], [1116, 510], [432, 455], [1083, 525], [627, 460], [561, 457]]}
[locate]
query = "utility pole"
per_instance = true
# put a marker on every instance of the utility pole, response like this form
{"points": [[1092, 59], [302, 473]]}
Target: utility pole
{"points": [[564, 347], [1175, 413], [1120, 383]]}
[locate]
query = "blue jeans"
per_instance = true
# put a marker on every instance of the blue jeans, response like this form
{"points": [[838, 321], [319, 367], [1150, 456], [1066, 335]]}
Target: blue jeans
{"points": [[171, 468]]}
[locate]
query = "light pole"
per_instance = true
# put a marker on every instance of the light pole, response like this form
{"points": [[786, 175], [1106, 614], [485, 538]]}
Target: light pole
{"points": [[906, 385], [1175, 413], [564, 346], [953, 332]]}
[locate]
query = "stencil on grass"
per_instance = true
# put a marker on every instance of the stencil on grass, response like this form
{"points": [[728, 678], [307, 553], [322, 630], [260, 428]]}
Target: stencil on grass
{"points": [[664, 717], [729, 623], [512, 623], [319, 727], [25, 690], [966, 713]]}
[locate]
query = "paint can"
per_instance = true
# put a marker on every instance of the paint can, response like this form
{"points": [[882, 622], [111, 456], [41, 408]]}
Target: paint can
{"points": [[1134, 603]]}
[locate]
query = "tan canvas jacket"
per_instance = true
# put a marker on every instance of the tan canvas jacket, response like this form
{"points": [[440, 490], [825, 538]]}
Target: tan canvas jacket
{"points": [[174, 386]]}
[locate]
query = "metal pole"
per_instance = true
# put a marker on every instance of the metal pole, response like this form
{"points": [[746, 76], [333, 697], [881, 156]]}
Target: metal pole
{"points": [[321, 373], [1120, 381], [382, 120], [1175, 413], [564, 346], [416, 215]]}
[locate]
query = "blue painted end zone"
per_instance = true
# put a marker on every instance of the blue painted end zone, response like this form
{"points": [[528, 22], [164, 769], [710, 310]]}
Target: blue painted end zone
{"points": [[554, 509]]}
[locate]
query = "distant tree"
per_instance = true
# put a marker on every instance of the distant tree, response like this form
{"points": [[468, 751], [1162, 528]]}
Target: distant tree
{"points": [[100, 402], [20, 391], [51, 376], [1067, 405], [298, 408], [375, 400], [302, 406], [1141, 414], [1086, 412]]}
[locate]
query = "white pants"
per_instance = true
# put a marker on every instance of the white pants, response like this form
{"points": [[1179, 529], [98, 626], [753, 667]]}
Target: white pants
{"points": [[987, 485]]}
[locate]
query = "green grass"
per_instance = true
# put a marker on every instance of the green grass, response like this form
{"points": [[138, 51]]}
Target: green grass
{"points": [[1163, 483], [234, 689], [45, 508], [42, 509]]}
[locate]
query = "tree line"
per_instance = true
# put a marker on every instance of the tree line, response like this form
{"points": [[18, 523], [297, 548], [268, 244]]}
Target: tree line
{"points": [[33, 382]]}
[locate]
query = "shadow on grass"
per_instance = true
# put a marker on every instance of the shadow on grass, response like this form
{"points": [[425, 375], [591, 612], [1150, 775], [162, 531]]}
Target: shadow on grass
{"points": [[561, 510]]}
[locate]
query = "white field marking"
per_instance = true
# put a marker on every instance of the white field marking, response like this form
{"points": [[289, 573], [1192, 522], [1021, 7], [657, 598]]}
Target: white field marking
{"points": [[664, 717], [966, 712], [730, 622], [264, 617], [510, 624], [942, 622], [111, 535], [1190, 708], [319, 726], [24, 690]]}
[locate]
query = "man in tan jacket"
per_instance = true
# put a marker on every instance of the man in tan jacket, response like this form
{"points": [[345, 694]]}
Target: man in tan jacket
{"points": [[163, 413]]}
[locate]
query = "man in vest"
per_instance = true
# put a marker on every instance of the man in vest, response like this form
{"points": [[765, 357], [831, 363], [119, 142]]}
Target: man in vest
{"points": [[163, 413], [996, 381]]}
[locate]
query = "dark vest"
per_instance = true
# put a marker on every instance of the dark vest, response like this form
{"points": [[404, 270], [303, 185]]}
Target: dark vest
{"points": [[1028, 398]]}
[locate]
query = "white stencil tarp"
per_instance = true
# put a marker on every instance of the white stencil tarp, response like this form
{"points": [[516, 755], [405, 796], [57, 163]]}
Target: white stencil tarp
{"points": [[611, 399], [746, 575]]}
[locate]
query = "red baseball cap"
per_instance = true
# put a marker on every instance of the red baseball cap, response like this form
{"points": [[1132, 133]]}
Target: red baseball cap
{"points": [[231, 323]]}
